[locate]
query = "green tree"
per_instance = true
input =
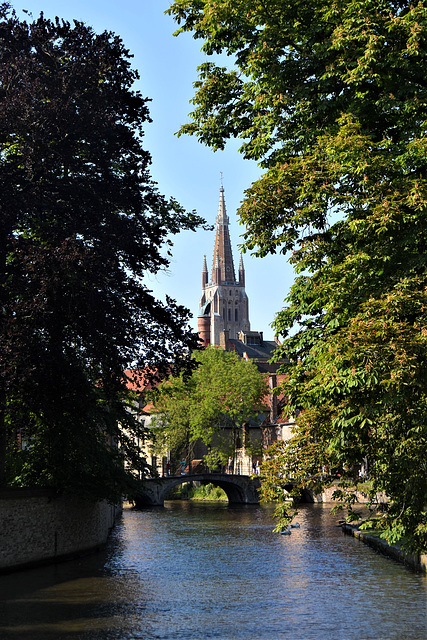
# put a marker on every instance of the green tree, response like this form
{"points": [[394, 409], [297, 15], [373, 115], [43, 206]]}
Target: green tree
{"points": [[223, 391], [171, 419], [81, 223], [330, 98]]}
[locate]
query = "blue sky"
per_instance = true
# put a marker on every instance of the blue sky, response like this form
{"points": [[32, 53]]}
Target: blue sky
{"points": [[182, 167]]}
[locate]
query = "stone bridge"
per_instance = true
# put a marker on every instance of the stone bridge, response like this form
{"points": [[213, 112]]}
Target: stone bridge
{"points": [[239, 489]]}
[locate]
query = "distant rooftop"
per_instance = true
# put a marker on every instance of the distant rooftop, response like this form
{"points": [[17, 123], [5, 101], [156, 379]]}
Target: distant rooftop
{"points": [[252, 346]]}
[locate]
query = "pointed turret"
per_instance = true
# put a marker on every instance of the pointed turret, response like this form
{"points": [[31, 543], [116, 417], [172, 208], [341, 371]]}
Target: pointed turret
{"points": [[241, 272], [205, 274], [216, 275], [222, 246]]}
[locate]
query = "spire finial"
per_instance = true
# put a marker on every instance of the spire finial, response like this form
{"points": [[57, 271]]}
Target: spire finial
{"points": [[221, 174], [222, 213], [222, 244]]}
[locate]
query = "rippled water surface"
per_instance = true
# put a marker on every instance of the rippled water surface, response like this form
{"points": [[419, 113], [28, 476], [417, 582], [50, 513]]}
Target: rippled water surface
{"points": [[199, 571]]}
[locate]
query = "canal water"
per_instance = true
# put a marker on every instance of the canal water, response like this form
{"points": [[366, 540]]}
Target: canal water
{"points": [[195, 571]]}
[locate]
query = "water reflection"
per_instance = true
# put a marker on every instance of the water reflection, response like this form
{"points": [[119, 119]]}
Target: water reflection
{"points": [[212, 571]]}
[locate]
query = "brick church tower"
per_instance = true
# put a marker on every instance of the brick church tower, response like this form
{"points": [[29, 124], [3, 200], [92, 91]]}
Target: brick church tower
{"points": [[224, 304]]}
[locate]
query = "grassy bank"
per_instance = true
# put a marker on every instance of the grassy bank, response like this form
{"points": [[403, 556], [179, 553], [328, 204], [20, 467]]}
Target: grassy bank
{"points": [[189, 491]]}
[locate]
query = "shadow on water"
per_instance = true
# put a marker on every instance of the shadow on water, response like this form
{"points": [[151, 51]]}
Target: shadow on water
{"points": [[193, 571], [79, 598]]}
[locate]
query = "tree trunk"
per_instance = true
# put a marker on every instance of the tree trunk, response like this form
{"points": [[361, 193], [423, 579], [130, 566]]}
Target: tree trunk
{"points": [[3, 439]]}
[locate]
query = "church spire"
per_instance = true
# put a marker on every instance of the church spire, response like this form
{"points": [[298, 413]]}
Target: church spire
{"points": [[224, 305], [222, 248]]}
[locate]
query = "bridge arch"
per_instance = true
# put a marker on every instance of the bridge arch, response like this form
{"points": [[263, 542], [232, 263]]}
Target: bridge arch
{"points": [[232, 490], [239, 489]]}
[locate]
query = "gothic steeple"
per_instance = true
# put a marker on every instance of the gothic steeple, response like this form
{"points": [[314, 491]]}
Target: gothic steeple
{"points": [[222, 248], [223, 305]]}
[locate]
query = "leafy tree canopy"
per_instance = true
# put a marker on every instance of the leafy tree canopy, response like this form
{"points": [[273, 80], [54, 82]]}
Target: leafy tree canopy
{"points": [[223, 391], [81, 223], [330, 98]]}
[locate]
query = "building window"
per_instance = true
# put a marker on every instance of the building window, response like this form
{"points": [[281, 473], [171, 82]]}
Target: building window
{"points": [[229, 314], [236, 315]]}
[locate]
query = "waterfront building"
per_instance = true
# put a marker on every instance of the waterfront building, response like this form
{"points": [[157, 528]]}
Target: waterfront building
{"points": [[223, 321]]}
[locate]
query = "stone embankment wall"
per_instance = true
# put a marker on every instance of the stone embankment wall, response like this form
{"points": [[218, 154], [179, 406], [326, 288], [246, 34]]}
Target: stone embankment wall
{"points": [[326, 496], [37, 528], [417, 562]]}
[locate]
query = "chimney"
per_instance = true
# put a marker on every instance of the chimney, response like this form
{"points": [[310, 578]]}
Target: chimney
{"points": [[272, 383], [223, 339]]}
